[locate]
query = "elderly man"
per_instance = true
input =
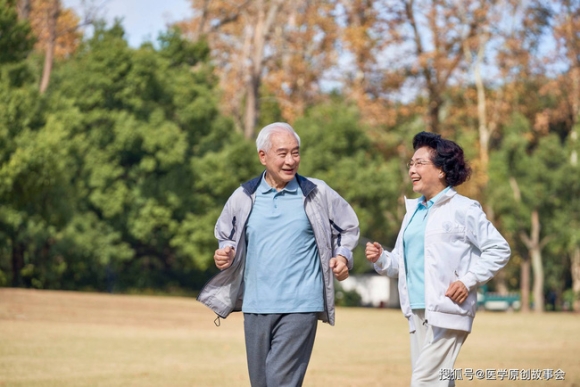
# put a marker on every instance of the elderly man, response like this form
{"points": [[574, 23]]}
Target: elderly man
{"points": [[281, 237]]}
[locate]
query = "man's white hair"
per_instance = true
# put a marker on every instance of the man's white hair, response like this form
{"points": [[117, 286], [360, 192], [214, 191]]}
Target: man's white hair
{"points": [[264, 143]]}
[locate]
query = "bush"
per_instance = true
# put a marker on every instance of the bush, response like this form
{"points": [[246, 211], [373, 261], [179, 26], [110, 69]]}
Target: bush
{"points": [[346, 298]]}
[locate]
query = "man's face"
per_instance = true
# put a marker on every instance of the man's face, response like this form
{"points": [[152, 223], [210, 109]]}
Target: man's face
{"points": [[282, 160]]}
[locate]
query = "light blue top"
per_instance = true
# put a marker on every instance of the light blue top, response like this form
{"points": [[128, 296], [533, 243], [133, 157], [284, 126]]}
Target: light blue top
{"points": [[283, 273], [414, 248]]}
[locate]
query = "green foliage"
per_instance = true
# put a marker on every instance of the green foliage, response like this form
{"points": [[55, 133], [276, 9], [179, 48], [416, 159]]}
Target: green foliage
{"points": [[114, 178], [270, 109], [569, 298], [532, 173], [16, 39], [346, 298], [182, 52], [336, 149], [526, 175]]}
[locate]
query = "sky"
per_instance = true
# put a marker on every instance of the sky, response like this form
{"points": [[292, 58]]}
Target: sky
{"points": [[142, 19]]}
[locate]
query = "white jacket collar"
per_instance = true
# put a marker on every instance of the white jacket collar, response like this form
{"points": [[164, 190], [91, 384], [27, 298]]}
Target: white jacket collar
{"points": [[411, 204]]}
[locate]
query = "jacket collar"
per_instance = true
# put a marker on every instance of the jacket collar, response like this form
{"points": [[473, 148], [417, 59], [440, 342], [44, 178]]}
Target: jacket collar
{"points": [[306, 185], [411, 204]]}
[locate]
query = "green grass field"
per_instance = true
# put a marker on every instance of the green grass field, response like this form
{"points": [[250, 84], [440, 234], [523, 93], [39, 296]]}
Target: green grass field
{"points": [[66, 339]]}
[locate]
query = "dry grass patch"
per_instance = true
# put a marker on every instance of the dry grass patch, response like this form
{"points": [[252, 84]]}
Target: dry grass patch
{"points": [[66, 339]]}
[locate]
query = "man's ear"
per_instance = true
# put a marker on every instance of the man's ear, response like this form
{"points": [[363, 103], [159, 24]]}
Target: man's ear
{"points": [[262, 156]]}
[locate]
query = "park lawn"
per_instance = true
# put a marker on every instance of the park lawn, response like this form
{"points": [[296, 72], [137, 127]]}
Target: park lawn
{"points": [[71, 339]]}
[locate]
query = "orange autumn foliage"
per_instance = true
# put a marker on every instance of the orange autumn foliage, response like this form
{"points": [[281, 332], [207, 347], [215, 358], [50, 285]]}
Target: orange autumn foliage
{"points": [[68, 35]]}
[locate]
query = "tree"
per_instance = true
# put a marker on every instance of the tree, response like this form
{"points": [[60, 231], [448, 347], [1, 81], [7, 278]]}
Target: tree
{"points": [[360, 38], [57, 29], [283, 45], [108, 179], [19, 111], [336, 148], [524, 185], [567, 87], [144, 149], [431, 36]]}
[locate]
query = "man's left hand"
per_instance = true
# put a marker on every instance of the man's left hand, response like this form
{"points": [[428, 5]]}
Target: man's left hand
{"points": [[457, 292], [339, 267]]}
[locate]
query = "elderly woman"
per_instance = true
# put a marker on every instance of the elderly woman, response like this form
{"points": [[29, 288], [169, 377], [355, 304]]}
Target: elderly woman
{"points": [[446, 248]]}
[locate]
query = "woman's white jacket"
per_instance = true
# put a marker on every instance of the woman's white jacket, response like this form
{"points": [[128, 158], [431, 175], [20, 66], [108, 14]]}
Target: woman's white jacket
{"points": [[460, 244]]}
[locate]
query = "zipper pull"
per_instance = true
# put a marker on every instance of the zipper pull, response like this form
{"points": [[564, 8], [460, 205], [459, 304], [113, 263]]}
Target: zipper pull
{"points": [[217, 321]]}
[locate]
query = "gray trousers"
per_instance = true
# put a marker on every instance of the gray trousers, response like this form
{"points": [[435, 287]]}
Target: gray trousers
{"points": [[278, 347]]}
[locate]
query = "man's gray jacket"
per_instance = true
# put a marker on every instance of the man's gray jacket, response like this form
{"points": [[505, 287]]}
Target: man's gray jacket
{"points": [[335, 227]]}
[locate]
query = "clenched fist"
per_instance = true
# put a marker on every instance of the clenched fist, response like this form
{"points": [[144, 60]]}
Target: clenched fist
{"points": [[339, 267], [373, 251], [224, 257]]}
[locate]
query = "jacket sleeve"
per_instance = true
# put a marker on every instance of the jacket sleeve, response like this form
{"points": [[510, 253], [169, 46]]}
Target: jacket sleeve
{"points": [[495, 251], [388, 262], [344, 227], [227, 224]]}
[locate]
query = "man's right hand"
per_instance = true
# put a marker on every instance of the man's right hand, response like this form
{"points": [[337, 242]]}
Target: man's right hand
{"points": [[224, 257]]}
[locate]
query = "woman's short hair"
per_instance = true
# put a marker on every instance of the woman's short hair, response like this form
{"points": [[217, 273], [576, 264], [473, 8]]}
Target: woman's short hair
{"points": [[445, 154], [263, 142]]}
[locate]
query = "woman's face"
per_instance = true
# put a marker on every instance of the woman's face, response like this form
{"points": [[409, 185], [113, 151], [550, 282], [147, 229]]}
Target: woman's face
{"points": [[427, 179]]}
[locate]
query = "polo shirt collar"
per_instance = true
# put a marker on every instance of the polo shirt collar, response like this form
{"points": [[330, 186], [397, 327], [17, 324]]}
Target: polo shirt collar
{"points": [[264, 187], [433, 199]]}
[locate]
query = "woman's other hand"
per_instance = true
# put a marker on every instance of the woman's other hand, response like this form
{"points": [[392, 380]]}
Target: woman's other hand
{"points": [[458, 292]]}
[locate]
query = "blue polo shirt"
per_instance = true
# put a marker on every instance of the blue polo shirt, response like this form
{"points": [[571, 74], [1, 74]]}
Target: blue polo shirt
{"points": [[283, 273], [414, 248]]}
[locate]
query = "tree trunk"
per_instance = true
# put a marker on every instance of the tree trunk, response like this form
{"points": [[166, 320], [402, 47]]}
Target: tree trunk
{"points": [[574, 154], [485, 132], [23, 9], [576, 278], [535, 246], [538, 270], [525, 285], [433, 115], [17, 263], [484, 129], [501, 283], [51, 19], [203, 21], [262, 29], [252, 107], [242, 68]]}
